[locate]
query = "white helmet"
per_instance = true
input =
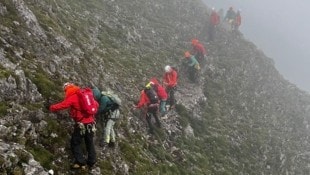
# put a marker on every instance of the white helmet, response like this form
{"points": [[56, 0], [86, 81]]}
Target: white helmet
{"points": [[167, 68], [66, 85]]}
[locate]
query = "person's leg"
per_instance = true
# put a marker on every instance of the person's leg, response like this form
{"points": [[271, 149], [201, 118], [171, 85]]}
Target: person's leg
{"points": [[76, 140], [149, 122], [89, 142], [162, 107], [172, 99], [108, 129]]}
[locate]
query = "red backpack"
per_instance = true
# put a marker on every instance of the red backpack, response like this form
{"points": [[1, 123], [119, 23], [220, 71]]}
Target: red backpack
{"points": [[87, 101]]}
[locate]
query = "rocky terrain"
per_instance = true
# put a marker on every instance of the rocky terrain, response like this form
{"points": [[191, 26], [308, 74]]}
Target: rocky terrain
{"points": [[242, 117]]}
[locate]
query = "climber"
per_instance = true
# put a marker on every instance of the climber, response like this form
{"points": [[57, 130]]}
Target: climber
{"points": [[107, 115], [193, 66], [170, 83], [162, 95], [221, 15], [84, 127], [237, 22], [149, 103], [214, 21], [199, 51], [230, 16]]}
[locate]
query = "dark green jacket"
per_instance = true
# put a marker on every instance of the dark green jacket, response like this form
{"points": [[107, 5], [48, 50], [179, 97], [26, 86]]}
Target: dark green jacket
{"points": [[104, 101]]}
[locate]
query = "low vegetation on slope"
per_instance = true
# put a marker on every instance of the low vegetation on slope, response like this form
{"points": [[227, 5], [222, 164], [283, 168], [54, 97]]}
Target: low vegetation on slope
{"points": [[251, 120]]}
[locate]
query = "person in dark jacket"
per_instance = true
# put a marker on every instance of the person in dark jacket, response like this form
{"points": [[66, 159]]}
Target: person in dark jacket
{"points": [[84, 127], [230, 17], [150, 109], [108, 116]]}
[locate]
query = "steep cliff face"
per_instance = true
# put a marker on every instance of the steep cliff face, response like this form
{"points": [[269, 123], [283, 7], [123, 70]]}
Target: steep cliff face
{"points": [[242, 118]]}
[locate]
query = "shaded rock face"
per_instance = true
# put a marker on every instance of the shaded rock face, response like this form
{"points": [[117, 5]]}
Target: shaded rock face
{"points": [[241, 117]]}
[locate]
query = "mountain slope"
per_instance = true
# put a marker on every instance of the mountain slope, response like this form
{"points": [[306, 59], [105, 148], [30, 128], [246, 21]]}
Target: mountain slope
{"points": [[243, 117]]}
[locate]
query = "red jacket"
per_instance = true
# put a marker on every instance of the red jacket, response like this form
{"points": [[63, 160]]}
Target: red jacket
{"points": [[214, 18], [170, 78], [144, 100], [160, 90], [71, 101], [238, 20], [199, 48]]}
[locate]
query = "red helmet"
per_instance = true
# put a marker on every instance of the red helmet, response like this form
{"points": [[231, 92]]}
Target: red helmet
{"points": [[194, 41]]}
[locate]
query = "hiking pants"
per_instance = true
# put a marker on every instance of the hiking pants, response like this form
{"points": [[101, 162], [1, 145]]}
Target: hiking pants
{"points": [[193, 74], [152, 111], [109, 134], [170, 92], [162, 106], [76, 140]]}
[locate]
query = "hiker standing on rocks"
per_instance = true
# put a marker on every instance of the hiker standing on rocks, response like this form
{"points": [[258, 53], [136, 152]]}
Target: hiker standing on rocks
{"points": [[170, 83], [237, 22], [214, 21], [150, 103], [108, 114], [162, 95], [193, 67], [84, 127], [230, 17]]}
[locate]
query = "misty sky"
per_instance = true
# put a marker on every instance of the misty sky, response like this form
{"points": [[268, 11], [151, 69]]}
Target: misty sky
{"points": [[281, 29]]}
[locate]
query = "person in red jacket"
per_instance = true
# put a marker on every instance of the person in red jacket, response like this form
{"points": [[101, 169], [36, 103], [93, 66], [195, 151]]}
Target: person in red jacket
{"points": [[214, 21], [237, 21], [170, 82], [83, 129], [150, 108], [162, 95], [199, 51]]}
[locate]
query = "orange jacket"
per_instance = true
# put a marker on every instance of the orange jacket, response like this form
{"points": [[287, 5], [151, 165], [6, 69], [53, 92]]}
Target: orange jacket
{"points": [[170, 78], [71, 102]]}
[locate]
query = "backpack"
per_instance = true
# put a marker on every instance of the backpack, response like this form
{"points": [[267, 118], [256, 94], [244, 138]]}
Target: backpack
{"points": [[152, 95], [116, 101], [87, 101]]}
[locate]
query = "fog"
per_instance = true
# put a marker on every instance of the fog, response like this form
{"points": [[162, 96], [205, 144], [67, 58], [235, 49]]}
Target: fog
{"points": [[281, 29]]}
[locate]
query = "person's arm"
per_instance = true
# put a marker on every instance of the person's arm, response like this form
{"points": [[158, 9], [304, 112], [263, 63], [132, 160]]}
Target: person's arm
{"points": [[60, 106]]}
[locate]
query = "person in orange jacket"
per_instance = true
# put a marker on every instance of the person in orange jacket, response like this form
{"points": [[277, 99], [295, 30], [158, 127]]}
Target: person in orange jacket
{"points": [[84, 127], [199, 51], [150, 106], [170, 83]]}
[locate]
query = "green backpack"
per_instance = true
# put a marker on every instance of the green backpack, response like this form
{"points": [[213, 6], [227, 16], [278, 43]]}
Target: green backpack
{"points": [[117, 102]]}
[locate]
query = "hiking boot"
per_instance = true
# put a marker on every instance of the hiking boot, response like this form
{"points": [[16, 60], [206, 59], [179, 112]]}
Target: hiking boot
{"points": [[78, 166], [111, 144], [102, 143]]}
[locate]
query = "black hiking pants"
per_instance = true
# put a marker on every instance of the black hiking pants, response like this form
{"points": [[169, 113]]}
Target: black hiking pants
{"points": [[193, 74], [171, 99], [76, 140], [152, 110]]}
